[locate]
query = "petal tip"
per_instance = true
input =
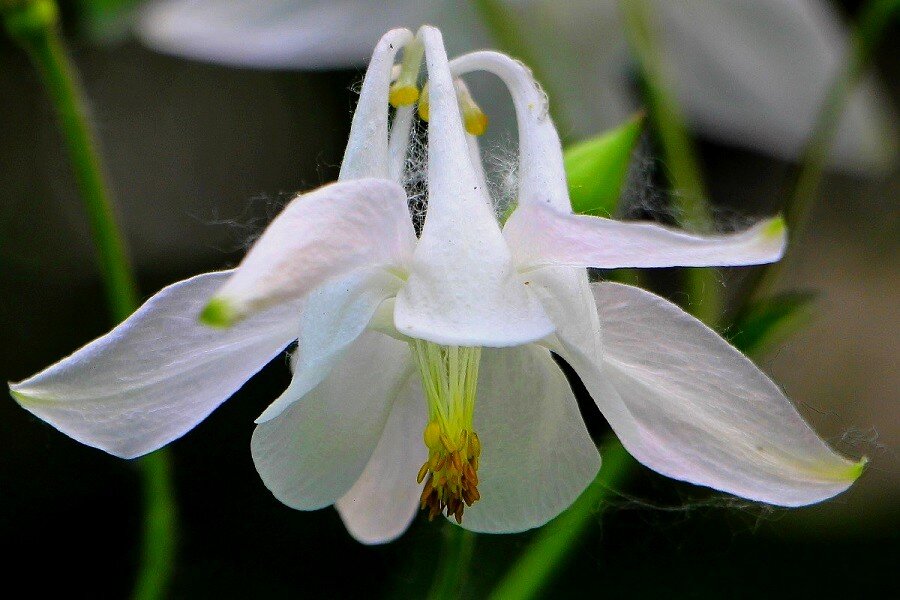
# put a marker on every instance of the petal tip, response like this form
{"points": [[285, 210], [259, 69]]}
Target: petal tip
{"points": [[219, 313], [856, 469], [775, 228], [19, 397]]}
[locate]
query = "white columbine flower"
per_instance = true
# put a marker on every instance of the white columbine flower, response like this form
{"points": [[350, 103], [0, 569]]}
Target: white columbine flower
{"points": [[423, 374]]}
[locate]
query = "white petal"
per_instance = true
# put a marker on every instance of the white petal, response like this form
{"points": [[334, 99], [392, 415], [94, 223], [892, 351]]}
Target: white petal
{"points": [[542, 175], [158, 374], [384, 500], [318, 237], [367, 147], [462, 287], [537, 456], [542, 236], [315, 450], [331, 319], [687, 404]]}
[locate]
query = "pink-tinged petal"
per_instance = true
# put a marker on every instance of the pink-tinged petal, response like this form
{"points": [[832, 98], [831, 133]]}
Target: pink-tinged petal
{"points": [[319, 237], [463, 288], [313, 453], [690, 406], [537, 456], [542, 236], [158, 374], [333, 317], [384, 500]]}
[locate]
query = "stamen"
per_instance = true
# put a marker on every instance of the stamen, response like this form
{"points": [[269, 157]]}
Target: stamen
{"points": [[474, 118], [476, 121], [449, 379], [405, 90]]}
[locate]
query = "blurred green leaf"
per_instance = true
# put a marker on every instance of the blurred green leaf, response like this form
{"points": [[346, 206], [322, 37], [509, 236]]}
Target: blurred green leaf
{"points": [[768, 322], [598, 168]]}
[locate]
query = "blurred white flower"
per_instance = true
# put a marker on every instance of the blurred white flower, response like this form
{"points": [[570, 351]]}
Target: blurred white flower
{"points": [[753, 74], [476, 310]]}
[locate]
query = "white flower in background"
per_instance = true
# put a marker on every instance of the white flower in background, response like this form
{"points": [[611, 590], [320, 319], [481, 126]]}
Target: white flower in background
{"points": [[423, 374], [753, 74]]}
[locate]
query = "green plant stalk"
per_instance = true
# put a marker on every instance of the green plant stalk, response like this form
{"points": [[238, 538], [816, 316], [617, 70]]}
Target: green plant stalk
{"points": [[678, 150], [559, 538], [34, 26], [866, 35], [457, 548]]}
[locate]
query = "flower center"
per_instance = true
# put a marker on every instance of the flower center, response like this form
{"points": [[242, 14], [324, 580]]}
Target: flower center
{"points": [[449, 380]]}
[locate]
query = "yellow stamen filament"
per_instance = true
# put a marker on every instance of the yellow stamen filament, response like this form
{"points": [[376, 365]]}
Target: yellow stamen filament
{"points": [[405, 90], [449, 380]]}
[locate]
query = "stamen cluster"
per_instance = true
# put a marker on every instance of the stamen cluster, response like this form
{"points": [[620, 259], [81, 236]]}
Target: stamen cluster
{"points": [[449, 380], [451, 471]]}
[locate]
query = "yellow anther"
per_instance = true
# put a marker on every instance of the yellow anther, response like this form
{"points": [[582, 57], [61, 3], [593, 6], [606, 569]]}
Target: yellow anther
{"points": [[403, 95], [474, 445], [422, 473], [405, 90], [476, 122], [432, 436]]}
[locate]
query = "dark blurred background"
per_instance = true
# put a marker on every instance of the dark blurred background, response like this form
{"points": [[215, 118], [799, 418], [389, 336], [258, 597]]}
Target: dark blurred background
{"points": [[201, 157]]}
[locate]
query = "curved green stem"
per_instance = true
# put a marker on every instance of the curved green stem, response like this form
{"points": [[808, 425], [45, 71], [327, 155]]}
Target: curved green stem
{"points": [[456, 556], [34, 25]]}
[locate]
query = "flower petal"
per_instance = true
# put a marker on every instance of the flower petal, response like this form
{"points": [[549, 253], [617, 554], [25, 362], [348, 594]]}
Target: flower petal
{"points": [[319, 237], [367, 147], [331, 319], [462, 287], [158, 374], [384, 500], [537, 456], [312, 454], [687, 404], [542, 236]]}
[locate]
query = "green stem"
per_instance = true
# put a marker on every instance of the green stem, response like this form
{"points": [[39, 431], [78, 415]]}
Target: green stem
{"points": [[456, 556], [874, 18], [34, 25], [559, 538], [678, 150]]}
